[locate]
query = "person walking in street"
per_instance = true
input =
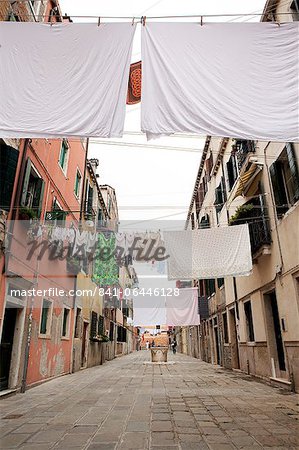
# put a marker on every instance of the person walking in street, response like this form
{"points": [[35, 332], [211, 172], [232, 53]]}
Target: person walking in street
{"points": [[147, 345], [174, 345]]}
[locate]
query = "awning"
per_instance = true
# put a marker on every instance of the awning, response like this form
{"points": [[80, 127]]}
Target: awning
{"points": [[246, 181]]}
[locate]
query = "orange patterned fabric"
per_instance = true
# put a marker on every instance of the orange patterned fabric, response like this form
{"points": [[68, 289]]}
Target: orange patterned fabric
{"points": [[134, 87]]}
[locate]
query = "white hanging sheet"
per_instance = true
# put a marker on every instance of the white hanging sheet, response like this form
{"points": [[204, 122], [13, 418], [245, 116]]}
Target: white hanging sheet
{"points": [[174, 310], [208, 253], [221, 79], [182, 310], [67, 79], [149, 311]]}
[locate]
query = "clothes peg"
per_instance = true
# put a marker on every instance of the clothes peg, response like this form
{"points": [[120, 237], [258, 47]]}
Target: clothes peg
{"points": [[201, 20], [99, 21], [133, 21]]}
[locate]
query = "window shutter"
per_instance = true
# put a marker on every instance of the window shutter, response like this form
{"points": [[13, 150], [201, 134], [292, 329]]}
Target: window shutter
{"points": [[294, 169], [93, 325], [26, 182], [8, 164], [38, 196], [278, 188]]}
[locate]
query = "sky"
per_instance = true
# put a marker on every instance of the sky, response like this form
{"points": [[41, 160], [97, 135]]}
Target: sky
{"points": [[152, 182]]}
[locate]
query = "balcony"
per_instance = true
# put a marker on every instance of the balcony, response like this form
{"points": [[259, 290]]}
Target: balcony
{"points": [[242, 149], [254, 213]]}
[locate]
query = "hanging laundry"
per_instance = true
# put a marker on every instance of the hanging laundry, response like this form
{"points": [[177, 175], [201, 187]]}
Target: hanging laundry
{"points": [[134, 86], [208, 253], [182, 310], [221, 79], [78, 70], [105, 271], [174, 310]]}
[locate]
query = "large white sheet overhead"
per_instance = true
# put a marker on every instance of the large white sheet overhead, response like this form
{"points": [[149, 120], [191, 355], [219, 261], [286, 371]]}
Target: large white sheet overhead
{"points": [[67, 79], [208, 253], [221, 79]]}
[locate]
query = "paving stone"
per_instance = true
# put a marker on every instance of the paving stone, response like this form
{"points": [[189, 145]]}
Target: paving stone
{"points": [[47, 436], [28, 428], [13, 440], [161, 426], [137, 426], [134, 440], [189, 437]]}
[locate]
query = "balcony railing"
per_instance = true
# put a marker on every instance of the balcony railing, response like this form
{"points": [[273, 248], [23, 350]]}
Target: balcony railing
{"points": [[242, 149], [258, 223]]}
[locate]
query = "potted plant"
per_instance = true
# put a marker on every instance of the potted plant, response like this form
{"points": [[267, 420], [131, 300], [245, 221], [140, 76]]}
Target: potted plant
{"points": [[26, 213], [242, 213]]}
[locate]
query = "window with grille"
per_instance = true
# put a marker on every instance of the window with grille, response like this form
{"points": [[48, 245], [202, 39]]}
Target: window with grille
{"points": [[93, 325]]}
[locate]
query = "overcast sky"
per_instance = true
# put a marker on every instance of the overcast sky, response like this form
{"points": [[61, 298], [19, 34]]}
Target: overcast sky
{"points": [[159, 180]]}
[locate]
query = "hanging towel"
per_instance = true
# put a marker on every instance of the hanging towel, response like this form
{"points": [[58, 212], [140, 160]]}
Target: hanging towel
{"points": [[134, 87]]}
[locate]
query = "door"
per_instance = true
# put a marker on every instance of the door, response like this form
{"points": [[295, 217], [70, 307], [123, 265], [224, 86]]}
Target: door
{"points": [[277, 332], [234, 339], [6, 345], [84, 344], [274, 336]]}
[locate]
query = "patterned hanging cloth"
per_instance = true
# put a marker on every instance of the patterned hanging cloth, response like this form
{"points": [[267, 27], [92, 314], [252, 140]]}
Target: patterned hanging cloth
{"points": [[134, 85]]}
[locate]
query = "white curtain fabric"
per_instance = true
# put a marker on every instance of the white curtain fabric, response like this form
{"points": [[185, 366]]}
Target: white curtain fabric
{"points": [[221, 79], [208, 253], [67, 79], [181, 310]]}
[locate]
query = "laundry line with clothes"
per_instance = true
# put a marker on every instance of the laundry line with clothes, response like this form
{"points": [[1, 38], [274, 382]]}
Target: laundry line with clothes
{"points": [[249, 58]]}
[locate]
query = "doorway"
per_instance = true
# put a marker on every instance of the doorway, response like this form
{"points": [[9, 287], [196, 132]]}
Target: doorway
{"points": [[275, 341], [6, 345], [234, 339]]}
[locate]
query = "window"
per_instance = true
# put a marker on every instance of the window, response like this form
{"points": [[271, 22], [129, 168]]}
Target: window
{"points": [[121, 334], [295, 10], [66, 322], [111, 331], [225, 328], [8, 164], [232, 171], [78, 181], [220, 196], [89, 199], [93, 325], [220, 282], [285, 180], [33, 189], [249, 321], [45, 322], [78, 323], [101, 330], [210, 287], [204, 222], [63, 157]]}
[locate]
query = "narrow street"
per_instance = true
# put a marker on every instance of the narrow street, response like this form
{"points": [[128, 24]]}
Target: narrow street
{"points": [[130, 403]]}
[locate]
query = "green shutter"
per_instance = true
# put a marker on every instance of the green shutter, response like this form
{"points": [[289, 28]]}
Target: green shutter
{"points": [[278, 188], [294, 170], [38, 196], [26, 182], [8, 165]]}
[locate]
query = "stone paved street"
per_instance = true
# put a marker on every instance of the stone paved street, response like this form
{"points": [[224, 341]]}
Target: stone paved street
{"points": [[130, 404]]}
